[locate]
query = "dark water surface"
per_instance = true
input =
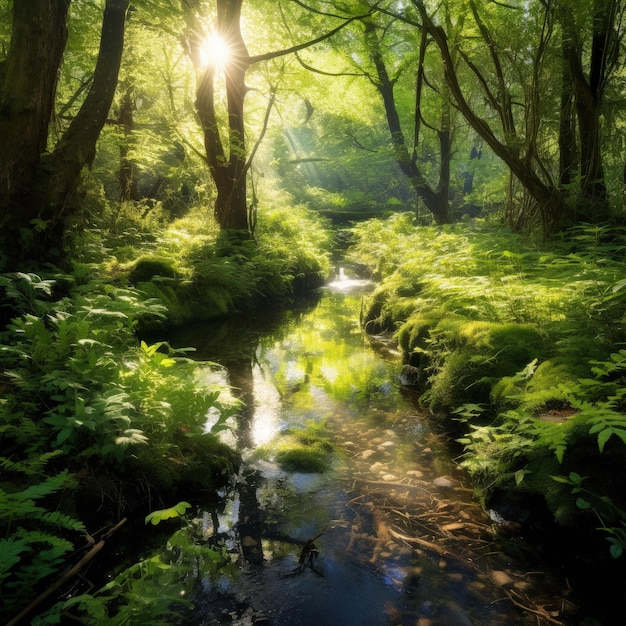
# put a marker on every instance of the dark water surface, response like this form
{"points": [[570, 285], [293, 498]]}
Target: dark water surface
{"points": [[401, 539]]}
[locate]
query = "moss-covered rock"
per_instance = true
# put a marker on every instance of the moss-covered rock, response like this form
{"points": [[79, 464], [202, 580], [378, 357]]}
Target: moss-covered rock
{"points": [[146, 268], [473, 356]]}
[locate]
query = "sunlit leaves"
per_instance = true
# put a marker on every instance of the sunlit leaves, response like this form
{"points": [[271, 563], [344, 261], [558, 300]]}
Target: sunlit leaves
{"points": [[176, 511]]}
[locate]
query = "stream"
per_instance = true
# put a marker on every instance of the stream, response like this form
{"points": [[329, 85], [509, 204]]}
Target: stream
{"points": [[390, 534]]}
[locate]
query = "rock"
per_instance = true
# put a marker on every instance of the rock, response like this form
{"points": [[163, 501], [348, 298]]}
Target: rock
{"points": [[500, 578], [366, 454], [377, 467], [389, 477], [409, 376], [443, 482], [415, 473]]}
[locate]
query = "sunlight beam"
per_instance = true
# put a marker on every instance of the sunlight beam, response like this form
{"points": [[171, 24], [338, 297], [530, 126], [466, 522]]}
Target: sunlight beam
{"points": [[215, 51]]}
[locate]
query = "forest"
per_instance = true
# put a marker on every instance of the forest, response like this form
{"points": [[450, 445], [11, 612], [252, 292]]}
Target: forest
{"points": [[170, 162]]}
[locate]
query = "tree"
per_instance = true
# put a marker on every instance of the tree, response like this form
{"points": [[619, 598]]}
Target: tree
{"points": [[37, 187], [436, 200], [588, 87], [592, 40], [227, 155]]}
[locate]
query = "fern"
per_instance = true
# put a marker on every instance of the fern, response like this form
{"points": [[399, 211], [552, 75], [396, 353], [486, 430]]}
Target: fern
{"points": [[31, 549]]}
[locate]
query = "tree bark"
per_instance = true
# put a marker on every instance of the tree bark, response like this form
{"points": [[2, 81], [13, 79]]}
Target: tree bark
{"points": [[28, 80], [435, 200], [36, 211]]}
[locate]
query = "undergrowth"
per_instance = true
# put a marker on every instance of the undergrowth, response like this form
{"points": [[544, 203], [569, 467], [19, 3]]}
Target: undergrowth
{"points": [[96, 423], [520, 343]]}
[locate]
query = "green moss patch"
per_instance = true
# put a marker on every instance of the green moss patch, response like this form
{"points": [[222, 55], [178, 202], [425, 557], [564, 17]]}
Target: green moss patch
{"points": [[307, 451]]}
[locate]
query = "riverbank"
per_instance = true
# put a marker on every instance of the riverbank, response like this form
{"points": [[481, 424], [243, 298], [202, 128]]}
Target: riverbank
{"points": [[98, 424], [515, 350]]}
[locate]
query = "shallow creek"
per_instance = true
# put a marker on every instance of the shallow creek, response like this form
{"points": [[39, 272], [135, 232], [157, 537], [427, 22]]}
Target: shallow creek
{"points": [[401, 540]]}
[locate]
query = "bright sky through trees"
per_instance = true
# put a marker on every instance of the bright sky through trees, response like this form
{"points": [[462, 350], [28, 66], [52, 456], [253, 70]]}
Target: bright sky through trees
{"points": [[215, 50]]}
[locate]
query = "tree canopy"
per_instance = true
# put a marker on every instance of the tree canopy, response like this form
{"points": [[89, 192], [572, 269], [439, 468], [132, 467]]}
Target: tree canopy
{"points": [[495, 107]]}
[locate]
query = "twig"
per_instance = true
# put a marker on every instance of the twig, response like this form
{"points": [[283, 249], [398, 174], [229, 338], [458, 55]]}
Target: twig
{"points": [[539, 612], [67, 576]]}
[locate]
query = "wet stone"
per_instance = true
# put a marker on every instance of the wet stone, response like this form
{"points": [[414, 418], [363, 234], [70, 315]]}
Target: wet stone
{"points": [[366, 454], [415, 473], [443, 482], [501, 579]]}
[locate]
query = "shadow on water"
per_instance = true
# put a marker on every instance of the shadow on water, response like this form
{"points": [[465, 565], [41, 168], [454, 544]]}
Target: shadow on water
{"points": [[397, 536]]}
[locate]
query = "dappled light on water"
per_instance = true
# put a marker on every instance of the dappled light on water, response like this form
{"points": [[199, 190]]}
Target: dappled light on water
{"points": [[389, 533]]}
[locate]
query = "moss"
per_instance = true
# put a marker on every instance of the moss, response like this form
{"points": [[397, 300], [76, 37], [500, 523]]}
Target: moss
{"points": [[307, 450], [146, 268], [476, 356], [300, 458]]}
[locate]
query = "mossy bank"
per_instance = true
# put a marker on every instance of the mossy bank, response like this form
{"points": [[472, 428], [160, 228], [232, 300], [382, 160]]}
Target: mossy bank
{"points": [[519, 350]]}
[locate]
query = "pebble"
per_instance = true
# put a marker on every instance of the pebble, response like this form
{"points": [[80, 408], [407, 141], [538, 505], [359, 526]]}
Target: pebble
{"points": [[415, 473], [389, 477], [500, 578], [443, 482], [366, 454]]}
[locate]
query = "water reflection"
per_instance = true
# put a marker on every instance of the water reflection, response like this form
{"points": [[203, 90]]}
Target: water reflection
{"points": [[404, 543]]}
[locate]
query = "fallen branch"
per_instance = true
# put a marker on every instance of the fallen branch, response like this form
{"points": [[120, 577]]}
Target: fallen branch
{"points": [[67, 576], [539, 612]]}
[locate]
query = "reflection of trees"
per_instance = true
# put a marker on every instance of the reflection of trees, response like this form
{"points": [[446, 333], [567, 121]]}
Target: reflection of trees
{"points": [[250, 519], [233, 343]]}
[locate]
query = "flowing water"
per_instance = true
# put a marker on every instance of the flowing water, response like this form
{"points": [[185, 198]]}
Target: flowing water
{"points": [[390, 533]]}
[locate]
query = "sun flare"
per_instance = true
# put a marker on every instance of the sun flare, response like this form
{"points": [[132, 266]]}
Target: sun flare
{"points": [[215, 50]]}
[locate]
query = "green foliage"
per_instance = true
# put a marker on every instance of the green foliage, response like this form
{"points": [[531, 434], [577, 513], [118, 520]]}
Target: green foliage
{"points": [[76, 381], [34, 533], [156, 590], [603, 507], [516, 340], [173, 512]]}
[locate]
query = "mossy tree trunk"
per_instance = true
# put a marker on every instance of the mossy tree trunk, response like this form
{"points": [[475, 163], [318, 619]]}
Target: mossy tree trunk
{"points": [[37, 188]]}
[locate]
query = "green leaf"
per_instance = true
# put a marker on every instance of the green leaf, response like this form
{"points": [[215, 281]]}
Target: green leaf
{"points": [[603, 437], [581, 503], [178, 510], [616, 549]]}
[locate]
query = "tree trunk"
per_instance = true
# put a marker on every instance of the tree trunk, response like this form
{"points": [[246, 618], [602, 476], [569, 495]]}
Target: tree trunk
{"points": [[77, 147], [228, 167], [36, 212], [28, 79], [589, 92], [435, 201], [567, 123], [127, 175]]}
